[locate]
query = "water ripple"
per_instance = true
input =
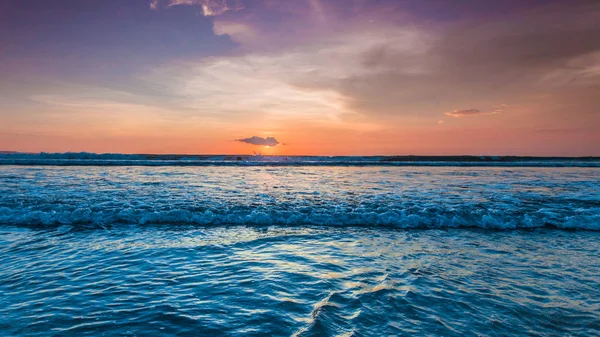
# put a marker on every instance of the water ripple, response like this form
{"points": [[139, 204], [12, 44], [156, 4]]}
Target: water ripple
{"points": [[298, 281]]}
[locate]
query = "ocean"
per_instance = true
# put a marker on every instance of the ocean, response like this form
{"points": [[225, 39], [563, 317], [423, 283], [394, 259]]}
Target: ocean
{"points": [[140, 245]]}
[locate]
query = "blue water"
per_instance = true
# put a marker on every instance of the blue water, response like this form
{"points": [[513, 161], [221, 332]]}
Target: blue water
{"points": [[299, 250]]}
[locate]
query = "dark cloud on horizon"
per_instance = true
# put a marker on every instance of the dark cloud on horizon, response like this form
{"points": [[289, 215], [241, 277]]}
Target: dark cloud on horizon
{"points": [[255, 140]]}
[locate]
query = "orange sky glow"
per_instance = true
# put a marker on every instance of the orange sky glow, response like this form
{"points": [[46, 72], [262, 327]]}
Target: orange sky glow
{"points": [[321, 77]]}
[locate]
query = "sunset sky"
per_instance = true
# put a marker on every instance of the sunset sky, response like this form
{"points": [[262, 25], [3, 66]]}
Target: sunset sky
{"points": [[322, 77]]}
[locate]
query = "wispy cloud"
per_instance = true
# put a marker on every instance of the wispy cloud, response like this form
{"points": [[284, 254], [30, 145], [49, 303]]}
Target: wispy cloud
{"points": [[365, 66], [466, 112], [209, 7], [313, 81], [264, 86], [255, 140], [475, 112], [318, 9], [582, 69]]}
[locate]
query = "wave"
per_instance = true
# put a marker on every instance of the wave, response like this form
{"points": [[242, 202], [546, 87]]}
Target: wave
{"points": [[116, 159], [584, 219], [398, 198]]}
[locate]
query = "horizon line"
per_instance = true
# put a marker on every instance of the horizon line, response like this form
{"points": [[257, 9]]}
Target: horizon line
{"points": [[480, 156]]}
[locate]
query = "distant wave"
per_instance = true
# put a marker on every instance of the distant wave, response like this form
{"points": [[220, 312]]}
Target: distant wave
{"points": [[115, 159], [401, 197], [426, 219]]}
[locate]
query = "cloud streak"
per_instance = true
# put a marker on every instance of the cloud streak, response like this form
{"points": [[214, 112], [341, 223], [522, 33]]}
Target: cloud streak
{"points": [[466, 112], [255, 140], [209, 7], [475, 112]]}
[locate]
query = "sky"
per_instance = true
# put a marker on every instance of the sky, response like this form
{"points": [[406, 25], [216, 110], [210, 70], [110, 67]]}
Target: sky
{"points": [[301, 77]]}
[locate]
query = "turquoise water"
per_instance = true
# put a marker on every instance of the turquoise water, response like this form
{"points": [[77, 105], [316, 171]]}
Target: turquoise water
{"points": [[304, 251]]}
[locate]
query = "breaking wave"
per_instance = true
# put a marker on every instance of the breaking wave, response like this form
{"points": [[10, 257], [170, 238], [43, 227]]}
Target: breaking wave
{"points": [[399, 197], [426, 218]]}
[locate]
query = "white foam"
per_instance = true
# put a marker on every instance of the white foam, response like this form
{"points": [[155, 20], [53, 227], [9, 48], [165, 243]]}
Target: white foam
{"points": [[487, 220], [402, 197]]}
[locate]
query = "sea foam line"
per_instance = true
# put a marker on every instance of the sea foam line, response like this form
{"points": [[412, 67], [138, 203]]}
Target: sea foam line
{"points": [[586, 220]]}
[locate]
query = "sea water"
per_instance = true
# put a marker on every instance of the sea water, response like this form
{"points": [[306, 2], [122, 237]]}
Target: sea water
{"points": [[304, 250]]}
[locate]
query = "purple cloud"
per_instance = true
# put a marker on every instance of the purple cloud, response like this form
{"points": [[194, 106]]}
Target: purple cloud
{"points": [[269, 141]]}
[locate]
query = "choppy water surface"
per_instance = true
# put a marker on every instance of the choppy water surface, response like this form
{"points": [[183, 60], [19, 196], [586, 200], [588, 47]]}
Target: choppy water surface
{"points": [[305, 251], [401, 197], [277, 281]]}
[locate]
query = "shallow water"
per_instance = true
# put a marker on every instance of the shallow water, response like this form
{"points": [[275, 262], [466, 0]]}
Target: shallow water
{"points": [[304, 281], [305, 251]]}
